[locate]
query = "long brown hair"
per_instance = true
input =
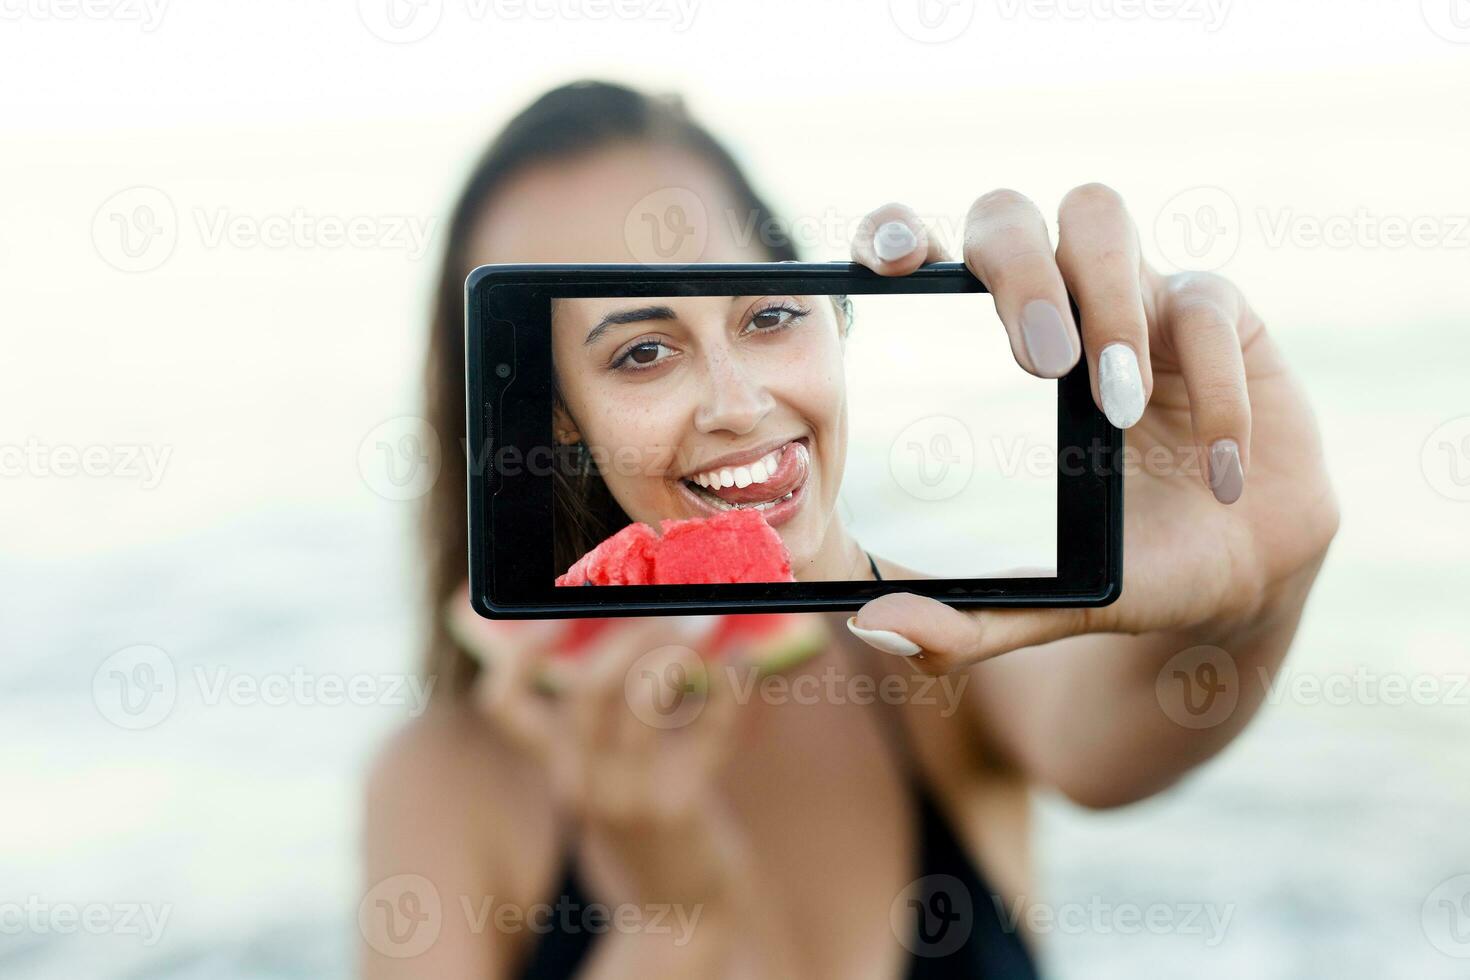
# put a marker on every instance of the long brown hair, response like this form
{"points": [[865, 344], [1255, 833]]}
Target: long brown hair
{"points": [[567, 121]]}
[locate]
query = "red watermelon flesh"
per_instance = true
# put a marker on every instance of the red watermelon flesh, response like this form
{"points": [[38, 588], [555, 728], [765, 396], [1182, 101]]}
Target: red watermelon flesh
{"points": [[735, 546]]}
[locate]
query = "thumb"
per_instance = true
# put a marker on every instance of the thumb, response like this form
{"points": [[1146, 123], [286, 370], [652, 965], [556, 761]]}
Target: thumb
{"points": [[938, 638]]}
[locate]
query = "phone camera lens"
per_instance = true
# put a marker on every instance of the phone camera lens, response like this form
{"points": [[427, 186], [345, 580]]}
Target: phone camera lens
{"points": [[502, 370]]}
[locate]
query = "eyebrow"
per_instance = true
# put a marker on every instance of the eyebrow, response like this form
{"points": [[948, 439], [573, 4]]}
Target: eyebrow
{"points": [[628, 316]]}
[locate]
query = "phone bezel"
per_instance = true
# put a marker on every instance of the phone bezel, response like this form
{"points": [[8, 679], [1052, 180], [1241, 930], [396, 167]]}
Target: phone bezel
{"points": [[507, 311]]}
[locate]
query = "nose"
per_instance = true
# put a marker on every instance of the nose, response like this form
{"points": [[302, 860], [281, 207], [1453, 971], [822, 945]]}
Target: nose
{"points": [[734, 400]]}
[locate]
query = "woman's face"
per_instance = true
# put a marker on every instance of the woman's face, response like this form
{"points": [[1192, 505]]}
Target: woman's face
{"points": [[696, 405], [674, 395]]}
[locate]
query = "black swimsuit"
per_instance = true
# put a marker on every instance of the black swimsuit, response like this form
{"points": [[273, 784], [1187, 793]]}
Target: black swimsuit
{"points": [[953, 919]]}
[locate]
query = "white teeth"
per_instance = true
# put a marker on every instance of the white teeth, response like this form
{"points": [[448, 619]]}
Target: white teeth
{"points": [[758, 472]]}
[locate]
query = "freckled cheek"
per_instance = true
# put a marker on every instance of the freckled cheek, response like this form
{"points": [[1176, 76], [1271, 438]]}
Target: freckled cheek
{"points": [[639, 439]]}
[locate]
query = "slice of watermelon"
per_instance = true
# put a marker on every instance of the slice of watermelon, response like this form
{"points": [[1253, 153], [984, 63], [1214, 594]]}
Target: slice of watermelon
{"points": [[735, 546], [767, 642]]}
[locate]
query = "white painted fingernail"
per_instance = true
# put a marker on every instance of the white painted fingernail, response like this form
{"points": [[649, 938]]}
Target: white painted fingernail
{"points": [[885, 640], [1121, 385], [893, 241]]}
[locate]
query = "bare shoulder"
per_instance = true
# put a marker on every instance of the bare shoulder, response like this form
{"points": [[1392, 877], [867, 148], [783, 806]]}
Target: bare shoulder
{"points": [[448, 791]]}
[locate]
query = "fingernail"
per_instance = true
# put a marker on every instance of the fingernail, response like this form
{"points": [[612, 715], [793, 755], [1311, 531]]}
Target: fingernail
{"points": [[894, 240], [1227, 479], [885, 640], [1048, 341], [1121, 385]]}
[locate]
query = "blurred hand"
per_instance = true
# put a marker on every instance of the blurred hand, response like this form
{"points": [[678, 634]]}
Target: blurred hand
{"points": [[633, 740], [1231, 509]]}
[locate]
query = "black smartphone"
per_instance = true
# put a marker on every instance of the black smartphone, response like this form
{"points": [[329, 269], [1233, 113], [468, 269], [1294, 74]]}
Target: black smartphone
{"points": [[720, 438]]}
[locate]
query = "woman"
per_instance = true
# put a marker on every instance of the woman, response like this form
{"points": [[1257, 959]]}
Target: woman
{"points": [[839, 836], [750, 413]]}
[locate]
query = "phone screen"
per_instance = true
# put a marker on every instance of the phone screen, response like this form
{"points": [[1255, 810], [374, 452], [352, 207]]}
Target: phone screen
{"points": [[890, 436]]}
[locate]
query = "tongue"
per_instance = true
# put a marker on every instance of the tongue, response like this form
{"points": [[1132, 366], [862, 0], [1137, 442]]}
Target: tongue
{"points": [[791, 469]]}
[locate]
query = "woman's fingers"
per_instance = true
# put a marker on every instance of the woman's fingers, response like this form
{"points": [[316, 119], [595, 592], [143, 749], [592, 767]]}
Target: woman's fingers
{"points": [[1199, 317], [1007, 248], [937, 638], [893, 241], [513, 657], [1099, 257]]}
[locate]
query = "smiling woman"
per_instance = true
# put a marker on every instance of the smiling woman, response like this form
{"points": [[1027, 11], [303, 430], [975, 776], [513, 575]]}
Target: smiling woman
{"points": [[724, 402]]}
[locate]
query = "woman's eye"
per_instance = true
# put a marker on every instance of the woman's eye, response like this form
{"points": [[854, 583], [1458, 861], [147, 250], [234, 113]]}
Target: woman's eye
{"points": [[642, 354], [775, 317]]}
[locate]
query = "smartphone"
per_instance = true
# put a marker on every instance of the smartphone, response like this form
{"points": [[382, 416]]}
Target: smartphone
{"points": [[624, 423]]}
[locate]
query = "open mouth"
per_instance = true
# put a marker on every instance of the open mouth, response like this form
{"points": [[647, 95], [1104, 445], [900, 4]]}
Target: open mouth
{"points": [[771, 484]]}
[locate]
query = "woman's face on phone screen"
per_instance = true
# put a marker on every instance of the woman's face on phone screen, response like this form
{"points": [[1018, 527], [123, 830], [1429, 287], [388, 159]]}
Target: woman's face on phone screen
{"points": [[690, 405]]}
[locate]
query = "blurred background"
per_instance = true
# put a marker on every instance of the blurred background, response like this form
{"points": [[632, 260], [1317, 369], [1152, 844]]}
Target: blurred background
{"points": [[220, 224]]}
